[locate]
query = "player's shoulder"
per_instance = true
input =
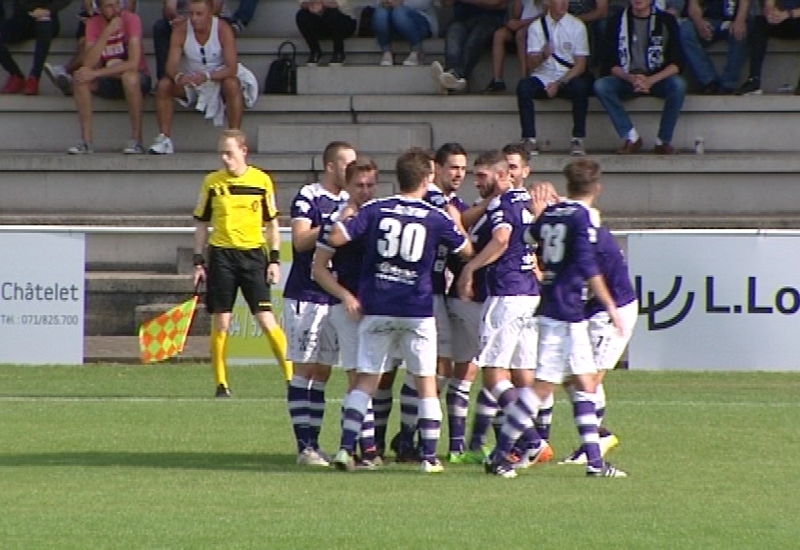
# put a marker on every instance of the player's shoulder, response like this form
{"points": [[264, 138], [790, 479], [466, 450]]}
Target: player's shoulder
{"points": [[217, 176]]}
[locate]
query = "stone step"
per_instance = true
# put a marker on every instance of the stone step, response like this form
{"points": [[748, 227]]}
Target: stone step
{"points": [[368, 79], [201, 323], [642, 184], [48, 123], [367, 138], [125, 349]]}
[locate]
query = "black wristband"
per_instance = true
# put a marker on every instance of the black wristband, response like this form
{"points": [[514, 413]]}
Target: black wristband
{"points": [[198, 259], [274, 256]]}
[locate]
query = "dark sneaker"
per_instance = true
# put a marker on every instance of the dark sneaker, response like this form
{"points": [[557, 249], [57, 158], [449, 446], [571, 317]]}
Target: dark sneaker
{"points": [[495, 86], [752, 86], [501, 467], [337, 59], [712, 88], [223, 391], [313, 59]]}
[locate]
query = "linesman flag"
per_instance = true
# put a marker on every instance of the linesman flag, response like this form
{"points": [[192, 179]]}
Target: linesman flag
{"points": [[165, 336]]}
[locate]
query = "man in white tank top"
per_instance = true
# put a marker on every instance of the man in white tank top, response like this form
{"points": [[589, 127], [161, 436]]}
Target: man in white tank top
{"points": [[202, 51]]}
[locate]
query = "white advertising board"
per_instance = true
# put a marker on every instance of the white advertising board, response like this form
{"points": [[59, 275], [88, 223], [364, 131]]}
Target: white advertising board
{"points": [[716, 301], [41, 298]]}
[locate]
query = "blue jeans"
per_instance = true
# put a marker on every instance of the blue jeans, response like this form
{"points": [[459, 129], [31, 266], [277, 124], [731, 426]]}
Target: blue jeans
{"points": [[245, 12], [700, 62], [532, 88], [401, 20], [466, 41], [612, 91]]}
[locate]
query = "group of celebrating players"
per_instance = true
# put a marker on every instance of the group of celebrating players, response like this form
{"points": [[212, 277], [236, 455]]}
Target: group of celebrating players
{"points": [[525, 287]]}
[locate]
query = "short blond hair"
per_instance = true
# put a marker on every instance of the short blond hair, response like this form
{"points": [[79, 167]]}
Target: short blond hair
{"points": [[234, 133]]}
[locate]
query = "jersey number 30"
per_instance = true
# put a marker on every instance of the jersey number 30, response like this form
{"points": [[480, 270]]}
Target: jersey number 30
{"points": [[406, 240]]}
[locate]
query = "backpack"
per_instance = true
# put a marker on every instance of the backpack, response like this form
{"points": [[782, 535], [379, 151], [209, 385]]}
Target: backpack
{"points": [[282, 74]]}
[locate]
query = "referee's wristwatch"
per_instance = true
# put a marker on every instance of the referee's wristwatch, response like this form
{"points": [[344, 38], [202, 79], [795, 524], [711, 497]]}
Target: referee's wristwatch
{"points": [[275, 256], [198, 260]]}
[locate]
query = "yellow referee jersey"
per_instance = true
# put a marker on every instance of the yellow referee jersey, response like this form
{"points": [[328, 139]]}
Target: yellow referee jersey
{"points": [[237, 207]]}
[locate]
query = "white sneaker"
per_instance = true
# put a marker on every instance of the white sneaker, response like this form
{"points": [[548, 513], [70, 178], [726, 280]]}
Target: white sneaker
{"points": [[436, 72], [344, 461], [427, 467], [81, 148], [310, 457], [451, 81], [133, 148], [162, 145], [412, 60], [59, 77], [387, 60]]}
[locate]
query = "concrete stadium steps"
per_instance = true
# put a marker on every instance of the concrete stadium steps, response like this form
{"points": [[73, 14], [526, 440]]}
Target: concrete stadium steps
{"points": [[112, 298], [639, 185], [50, 123], [367, 138], [727, 123], [257, 51], [482, 122]]}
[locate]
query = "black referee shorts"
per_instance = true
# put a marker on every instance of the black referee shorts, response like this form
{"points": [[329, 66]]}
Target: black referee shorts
{"points": [[229, 270]]}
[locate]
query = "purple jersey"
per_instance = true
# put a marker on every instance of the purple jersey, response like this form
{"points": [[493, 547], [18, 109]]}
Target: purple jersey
{"points": [[435, 197], [566, 236], [401, 236], [512, 273], [480, 234], [346, 261], [316, 205], [614, 269]]}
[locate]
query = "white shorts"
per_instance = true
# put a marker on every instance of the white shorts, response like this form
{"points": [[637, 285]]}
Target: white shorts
{"points": [[465, 322], [509, 333], [381, 337], [309, 332], [564, 350], [607, 344], [346, 330], [444, 344]]}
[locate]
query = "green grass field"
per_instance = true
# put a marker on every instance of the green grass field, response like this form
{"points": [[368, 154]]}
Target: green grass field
{"points": [[142, 457]]}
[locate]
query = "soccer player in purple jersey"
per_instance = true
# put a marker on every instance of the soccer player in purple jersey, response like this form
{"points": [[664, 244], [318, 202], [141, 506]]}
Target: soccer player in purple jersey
{"points": [[312, 342], [508, 328], [566, 236], [450, 162], [465, 314], [401, 234], [338, 271], [607, 343]]}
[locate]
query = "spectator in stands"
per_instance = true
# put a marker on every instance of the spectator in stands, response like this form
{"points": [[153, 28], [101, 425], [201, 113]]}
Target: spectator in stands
{"points": [[242, 16], [175, 12], [710, 22], [320, 20], [558, 49], [61, 75], [523, 13], [643, 58], [474, 23], [594, 14], [114, 68], [413, 20], [777, 22], [202, 71], [30, 19]]}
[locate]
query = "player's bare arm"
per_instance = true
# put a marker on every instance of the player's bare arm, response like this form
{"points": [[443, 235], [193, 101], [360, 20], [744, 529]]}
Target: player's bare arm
{"points": [[200, 241], [304, 237], [323, 276], [490, 253], [597, 285]]}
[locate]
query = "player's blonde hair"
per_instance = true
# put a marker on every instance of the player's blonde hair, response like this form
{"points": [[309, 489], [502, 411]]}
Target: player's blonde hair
{"points": [[236, 134]]}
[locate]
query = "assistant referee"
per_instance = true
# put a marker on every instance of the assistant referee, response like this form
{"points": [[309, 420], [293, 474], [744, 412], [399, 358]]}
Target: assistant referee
{"points": [[239, 203]]}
